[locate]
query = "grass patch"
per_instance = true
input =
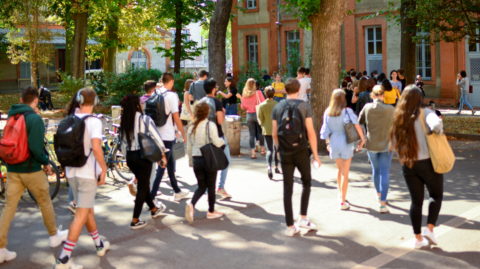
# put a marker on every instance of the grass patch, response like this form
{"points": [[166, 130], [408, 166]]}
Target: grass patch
{"points": [[461, 125]]}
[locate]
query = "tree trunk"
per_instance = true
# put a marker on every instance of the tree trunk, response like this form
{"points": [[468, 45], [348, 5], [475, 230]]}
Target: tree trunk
{"points": [[178, 36], [217, 41], [34, 68], [408, 47], [80, 42], [110, 60], [326, 30], [69, 43]]}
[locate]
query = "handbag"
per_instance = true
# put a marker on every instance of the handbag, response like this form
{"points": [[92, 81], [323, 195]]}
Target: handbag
{"points": [[215, 158], [441, 153], [185, 115], [350, 131], [178, 150], [149, 150]]}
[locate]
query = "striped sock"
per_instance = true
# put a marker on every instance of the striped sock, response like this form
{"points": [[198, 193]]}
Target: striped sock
{"points": [[95, 237], [67, 249]]}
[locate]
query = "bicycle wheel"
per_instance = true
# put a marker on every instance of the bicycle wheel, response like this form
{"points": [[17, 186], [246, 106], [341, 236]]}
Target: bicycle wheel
{"points": [[53, 182], [119, 162]]}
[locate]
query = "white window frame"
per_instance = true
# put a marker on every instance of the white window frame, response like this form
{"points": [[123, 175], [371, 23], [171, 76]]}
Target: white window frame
{"points": [[137, 62], [254, 43], [27, 70], [375, 56], [296, 38], [251, 4]]}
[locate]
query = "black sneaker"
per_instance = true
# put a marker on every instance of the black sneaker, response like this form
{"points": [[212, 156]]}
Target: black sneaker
{"points": [[277, 170], [160, 209], [139, 225], [270, 174]]}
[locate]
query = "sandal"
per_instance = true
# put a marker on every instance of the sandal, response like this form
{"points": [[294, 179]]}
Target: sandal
{"points": [[263, 152], [254, 156]]}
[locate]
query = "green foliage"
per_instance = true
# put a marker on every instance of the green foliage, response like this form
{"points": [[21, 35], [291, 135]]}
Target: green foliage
{"points": [[189, 50], [179, 85], [251, 71], [341, 77], [101, 82], [69, 85], [294, 60], [308, 58]]}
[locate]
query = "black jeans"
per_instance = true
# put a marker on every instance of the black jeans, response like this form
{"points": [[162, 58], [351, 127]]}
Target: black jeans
{"points": [[141, 168], [170, 168], [271, 151], [300, 160], [47, 101], [420, 175], [206, 180]]}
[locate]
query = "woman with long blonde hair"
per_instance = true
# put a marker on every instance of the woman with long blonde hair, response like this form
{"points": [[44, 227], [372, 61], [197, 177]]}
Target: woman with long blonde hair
{"points": [[335, 117], [252, 97]]}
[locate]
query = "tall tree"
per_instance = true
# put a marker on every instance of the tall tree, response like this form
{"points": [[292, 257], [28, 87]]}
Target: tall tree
{"points": [[80, 18], [29, 34], [217, 40], [325, 18], [408, 46]]}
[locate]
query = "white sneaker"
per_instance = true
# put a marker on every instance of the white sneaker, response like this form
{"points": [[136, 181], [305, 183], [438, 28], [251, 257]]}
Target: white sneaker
{"points": [[292, 231], [344, 206], [430, 237], [60, 237], [421, 244], [72, 208], [68, 265], [189, 212], [383, 209], [6, 255], [182, 194], [101, 250], [306, 224]]}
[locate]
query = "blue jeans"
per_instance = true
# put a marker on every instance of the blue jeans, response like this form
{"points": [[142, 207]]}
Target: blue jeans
{"points": [[463, 99], [171, 171], [381, 162], [231, 110], [223, 173], [278, 99], [70, 194]]}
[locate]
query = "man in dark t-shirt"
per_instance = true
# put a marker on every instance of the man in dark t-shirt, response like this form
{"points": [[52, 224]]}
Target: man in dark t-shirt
{"points": [[210, 87], [266, 76]]}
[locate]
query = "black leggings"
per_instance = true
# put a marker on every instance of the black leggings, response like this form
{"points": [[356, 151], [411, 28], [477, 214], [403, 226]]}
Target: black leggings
{"points": [[300, 160], [206, 180], [142, 169], [420, 175], [271, 151]]}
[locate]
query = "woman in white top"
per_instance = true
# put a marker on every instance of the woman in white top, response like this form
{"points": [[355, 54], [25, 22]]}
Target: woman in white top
{"points": [[133, 121], [197, 138]]}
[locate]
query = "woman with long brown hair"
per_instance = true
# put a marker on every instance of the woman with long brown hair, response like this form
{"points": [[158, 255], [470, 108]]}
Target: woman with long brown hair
{"points": [[334, 119], [359, 89], [198, 137], [408, 138]]}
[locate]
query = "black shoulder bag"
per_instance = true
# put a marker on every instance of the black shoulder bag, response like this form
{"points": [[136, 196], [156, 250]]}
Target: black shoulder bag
{"points": [[149, 150], [215, 158]]}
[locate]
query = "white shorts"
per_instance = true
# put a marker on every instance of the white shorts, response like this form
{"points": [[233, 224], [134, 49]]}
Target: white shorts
{"points": [[84, 191]]}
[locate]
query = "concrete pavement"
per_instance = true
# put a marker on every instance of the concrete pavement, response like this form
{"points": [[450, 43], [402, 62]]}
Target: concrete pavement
{"points": [[252, 232]]}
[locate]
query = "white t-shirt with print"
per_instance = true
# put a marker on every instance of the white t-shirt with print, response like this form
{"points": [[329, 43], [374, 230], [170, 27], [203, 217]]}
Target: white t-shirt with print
{"points": [[167, 131], [304, 86], [93, 129]]}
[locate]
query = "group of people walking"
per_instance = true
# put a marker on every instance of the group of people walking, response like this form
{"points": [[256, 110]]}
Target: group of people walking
{"points": [[283, 115]]}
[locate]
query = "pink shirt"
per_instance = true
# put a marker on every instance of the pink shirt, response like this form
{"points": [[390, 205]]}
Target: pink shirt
{"points": [[249, 103]]}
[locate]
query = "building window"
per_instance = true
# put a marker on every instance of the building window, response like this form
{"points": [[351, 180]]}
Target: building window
{"points": [[184, 32], [139, 59], [374, 41], [252, 45], [424, 60], [475, 47], [25, 70], [251, 4], [293, 41]]}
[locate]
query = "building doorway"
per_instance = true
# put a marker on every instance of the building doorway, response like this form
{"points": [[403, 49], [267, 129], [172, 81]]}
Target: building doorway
{"points": [[473, 71], [373, 49]]}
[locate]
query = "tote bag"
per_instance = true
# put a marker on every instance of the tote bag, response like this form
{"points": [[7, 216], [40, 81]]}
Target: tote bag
{"points": [[350, 130], [215, 158], [258, 102], [149, 149], [178, 150], [441, 153]]}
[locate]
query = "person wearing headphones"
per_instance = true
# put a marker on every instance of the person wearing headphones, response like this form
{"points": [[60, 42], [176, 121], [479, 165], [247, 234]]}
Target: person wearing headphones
{"points": [[85, 180]]}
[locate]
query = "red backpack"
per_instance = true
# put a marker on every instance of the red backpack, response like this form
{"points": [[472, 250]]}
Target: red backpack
{"points": [[14, 143]]}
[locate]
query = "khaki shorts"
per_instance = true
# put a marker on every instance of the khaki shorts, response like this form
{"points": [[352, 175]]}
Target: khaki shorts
{"points": [[84, 191]]}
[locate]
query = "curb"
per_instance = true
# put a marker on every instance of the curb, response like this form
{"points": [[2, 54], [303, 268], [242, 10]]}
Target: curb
{"points": [[464, 136]]}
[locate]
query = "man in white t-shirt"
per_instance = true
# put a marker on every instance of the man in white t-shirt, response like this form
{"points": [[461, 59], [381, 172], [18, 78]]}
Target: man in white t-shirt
{"points": [[304, 84], [85, 180], [168, 134]]}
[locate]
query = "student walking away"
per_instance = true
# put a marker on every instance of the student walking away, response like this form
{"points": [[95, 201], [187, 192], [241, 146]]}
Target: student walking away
{"points": [[217, 115], [365, 75], [401, 78], [200, 133], [391, 94], [419, 84], [409, 140], [304, 84], [134, 122], [333, 131], [464, 83], [231, 96], [364, 97], [374, 74], [45, 99], [353, 75], [24, 169], [378, 117], [185, 116], [359, 75], [279, 88], [307, 75], [358, 90], [196, 91], [292, 123], [264, 115], [381, 78], [348, 93], [266, 76], [85, 169], [250, 99], [162, 107], [348, 77]]}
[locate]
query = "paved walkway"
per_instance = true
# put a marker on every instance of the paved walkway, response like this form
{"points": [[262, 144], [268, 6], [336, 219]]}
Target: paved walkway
{"points": [[251, 234]]}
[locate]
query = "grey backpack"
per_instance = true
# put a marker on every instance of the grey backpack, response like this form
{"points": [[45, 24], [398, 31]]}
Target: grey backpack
{"points": [[212, 115]]}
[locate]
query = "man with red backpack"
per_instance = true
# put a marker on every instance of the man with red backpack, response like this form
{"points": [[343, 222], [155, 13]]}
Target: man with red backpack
{"points": [[24, 167]]}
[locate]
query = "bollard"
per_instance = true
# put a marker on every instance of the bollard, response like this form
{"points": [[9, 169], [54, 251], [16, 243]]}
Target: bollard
{"points": [[232, 129]]}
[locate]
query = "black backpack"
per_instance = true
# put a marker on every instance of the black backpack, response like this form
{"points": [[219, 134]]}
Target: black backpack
{"points": [[291, 129], [155, 108], [68, 141]]}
